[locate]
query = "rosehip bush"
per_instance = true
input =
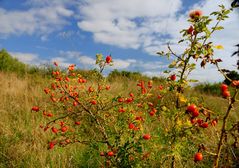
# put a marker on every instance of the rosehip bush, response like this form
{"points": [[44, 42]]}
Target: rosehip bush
{"points": [[200, 49], [155, 122], [116, 126]]}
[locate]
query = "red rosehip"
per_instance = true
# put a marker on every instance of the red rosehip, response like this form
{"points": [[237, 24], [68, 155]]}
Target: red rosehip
{"points": [[191, 108], [154, 110], [75, 103], [120, 99], [129, 100], [195, 113], [198, 157], [108, 59], [198, 13], [64, 129], [131, 126], [71, 67], [173, 77], [226, 94], [143, 90], [204, 125], [235, 83], [151, 113], [47, 90], [84, 80], [146, 136], [224, 87], [150, 84], [51, 145], [102, 154], [67, 79], [110, 153], [214, 122], [190, 30], [93, 102], [107, 87], [160, 87], [46, 128], [49, 115], [193, 120], [121, 110], [55, 63], [77, 123], [57, 73], [61, 123], [150, 104], [54, 130], [139, 118], [35, 108], [67, 140], [99, 87], [199, 121], [195, 13], [139, 105], [90, 89]]}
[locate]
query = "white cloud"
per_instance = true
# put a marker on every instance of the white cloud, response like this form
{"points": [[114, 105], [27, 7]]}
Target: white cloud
{"points": [[129, 24], [85, 60], [154, 74], [80, 60], [37, 20], [28, 58], [149, 65], [62, 62], [69, 54], [70, 34], [123, 64]]}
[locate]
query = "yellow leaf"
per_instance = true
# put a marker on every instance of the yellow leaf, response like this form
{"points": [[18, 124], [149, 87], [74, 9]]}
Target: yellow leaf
{"points": [[182, 99], [179, 123], [164, 108], [219, 47]]}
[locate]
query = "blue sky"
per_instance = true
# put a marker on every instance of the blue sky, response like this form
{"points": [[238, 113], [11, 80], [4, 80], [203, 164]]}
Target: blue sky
{"points": [[132, 31]]}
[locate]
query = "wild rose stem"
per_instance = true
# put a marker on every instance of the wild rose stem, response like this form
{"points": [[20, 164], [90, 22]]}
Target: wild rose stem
{"points": [[102, 129], [223, 129]]}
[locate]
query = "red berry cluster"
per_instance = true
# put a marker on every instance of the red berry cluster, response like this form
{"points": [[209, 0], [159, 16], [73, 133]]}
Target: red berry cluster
{"points": [[225, 91]]}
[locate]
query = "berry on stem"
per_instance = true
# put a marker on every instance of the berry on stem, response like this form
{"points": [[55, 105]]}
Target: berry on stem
{"points": [[198, 157], [110, 153], [146, 136], [108, 59], [173, 77]]}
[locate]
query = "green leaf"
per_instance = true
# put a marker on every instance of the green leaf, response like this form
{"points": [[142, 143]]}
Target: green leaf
{"points": [[168, 55], [192, 80], [160, 53], [173, 64], [214, 13], [218, 28], [99, 58], [139, 148], [180, 41], [226, 12], [166, 71]]}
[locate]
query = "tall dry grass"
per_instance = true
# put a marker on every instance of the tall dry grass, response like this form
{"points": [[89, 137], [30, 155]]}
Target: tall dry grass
{"points": [[22, 142]]}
